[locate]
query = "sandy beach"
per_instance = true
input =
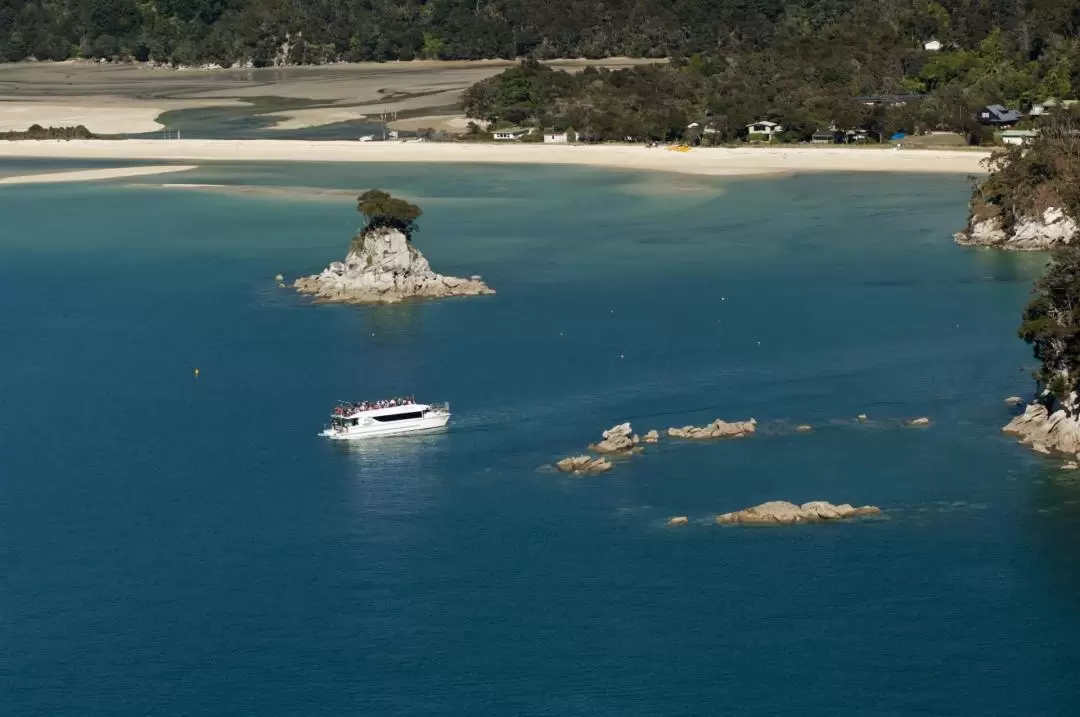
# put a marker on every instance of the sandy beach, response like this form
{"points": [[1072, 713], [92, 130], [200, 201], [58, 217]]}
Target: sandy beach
{"points": [[700, 161], [91, 175]]}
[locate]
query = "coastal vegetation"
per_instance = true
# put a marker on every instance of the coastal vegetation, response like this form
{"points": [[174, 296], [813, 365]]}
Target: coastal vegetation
{"points": [[1025, 181], [879, 89], [380, 210], [817, 42], [36, 131], [1051, 325]]}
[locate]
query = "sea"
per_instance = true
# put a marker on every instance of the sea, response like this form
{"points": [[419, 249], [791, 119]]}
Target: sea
{"points": [[183, 544]]}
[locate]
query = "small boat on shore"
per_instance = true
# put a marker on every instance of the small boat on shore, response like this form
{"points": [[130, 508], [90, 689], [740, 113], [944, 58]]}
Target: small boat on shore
{"points": [[390, 417]]}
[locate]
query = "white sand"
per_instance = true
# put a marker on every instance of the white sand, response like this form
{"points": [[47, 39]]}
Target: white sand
{"points": [[101, 115], [101, 119], [90, 175], [448, 123], [711, 161]]}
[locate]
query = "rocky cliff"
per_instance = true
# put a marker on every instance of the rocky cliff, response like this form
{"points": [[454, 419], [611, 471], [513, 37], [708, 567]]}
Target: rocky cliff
{"points": [[383, 266], [1034, 233], [1046, 432]]}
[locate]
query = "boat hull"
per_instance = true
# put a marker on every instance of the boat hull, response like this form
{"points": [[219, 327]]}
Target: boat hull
{"points": [[395, 428]]}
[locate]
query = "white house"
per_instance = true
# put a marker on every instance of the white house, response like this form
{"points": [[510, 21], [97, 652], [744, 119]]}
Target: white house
{"points": [[932, 45], [511, 133], [1050, 105], [765, 128], [556, 137], [1018, 136]]}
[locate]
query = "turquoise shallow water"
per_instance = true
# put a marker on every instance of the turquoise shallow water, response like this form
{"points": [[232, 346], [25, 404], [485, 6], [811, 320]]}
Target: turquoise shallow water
{"points": [[190, 547]]}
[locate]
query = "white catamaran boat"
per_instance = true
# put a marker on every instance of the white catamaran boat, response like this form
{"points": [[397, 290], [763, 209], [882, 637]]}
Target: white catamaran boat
{"points": [[391, 417]]}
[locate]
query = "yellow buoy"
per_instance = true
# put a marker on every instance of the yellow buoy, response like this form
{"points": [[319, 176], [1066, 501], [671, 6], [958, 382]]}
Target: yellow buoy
{"points": [[196, 373]]}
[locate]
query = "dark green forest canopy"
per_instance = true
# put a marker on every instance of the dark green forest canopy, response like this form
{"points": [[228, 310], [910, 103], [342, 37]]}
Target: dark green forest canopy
{"points": [[883, 32], [1051, 324]]}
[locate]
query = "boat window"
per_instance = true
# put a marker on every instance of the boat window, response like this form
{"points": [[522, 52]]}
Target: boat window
{"points": [[399, 417]]}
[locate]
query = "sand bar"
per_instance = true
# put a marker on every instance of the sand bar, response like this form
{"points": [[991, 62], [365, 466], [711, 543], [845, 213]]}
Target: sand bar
{"points": [[703, 161], [90, 175]]}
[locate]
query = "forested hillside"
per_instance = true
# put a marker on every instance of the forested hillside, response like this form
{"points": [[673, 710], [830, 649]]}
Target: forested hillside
{"points": [[860, 74], [881, 32]]}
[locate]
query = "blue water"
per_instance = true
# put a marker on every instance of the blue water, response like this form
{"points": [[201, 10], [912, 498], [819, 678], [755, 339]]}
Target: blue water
{"points": [[172, 545]]}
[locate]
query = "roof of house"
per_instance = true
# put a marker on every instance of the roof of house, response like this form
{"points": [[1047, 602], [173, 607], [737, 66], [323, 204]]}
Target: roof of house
{"points": [[1020, 133], [765, 123], [1002, 114]]}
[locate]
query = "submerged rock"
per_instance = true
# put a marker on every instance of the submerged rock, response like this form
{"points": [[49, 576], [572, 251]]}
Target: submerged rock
{"points": [[804, 429], [716, 429], [1045, 431], [678, 520], [861, 418], [779, 512], [584, 464], [652, 437], [1038, 232], [383, 266], [919, 422], [1014, 401]]}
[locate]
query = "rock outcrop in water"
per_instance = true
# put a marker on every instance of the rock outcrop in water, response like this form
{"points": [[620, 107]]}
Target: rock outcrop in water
{"points": [[1037, 232], [383, 266], [584, 465], [779, 512], [1044, 431], [617, 439], [716, 429]]}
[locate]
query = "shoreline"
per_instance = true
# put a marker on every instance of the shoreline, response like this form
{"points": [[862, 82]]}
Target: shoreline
{"points": [[93, 175], [710, 161]]}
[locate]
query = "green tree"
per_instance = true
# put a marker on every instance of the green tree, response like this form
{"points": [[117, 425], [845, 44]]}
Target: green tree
{"points": [[380, 209], [1051, 325]]}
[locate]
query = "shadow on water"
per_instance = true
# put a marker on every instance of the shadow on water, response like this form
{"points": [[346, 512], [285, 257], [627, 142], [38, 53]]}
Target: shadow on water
{"points": [[1022, 267]]}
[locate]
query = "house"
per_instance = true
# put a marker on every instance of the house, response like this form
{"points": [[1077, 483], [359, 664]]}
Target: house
{"points": [[997, 116], [829, 136], [510, 133], [932, 45], [1018, 136], [1049, 105], [764, 129], [556, 137]]}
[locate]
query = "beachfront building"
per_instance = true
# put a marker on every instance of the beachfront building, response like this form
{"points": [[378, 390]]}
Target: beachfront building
{"points": [[827, 136], [997, 116], [1018, 136], [556, 137], [510, 133], [1049, 106], [763, 130]]}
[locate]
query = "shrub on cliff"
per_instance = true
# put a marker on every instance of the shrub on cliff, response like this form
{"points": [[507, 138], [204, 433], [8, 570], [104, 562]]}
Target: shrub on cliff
{"points": [[1025, 181], [380, 209], [1051, 324]]}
